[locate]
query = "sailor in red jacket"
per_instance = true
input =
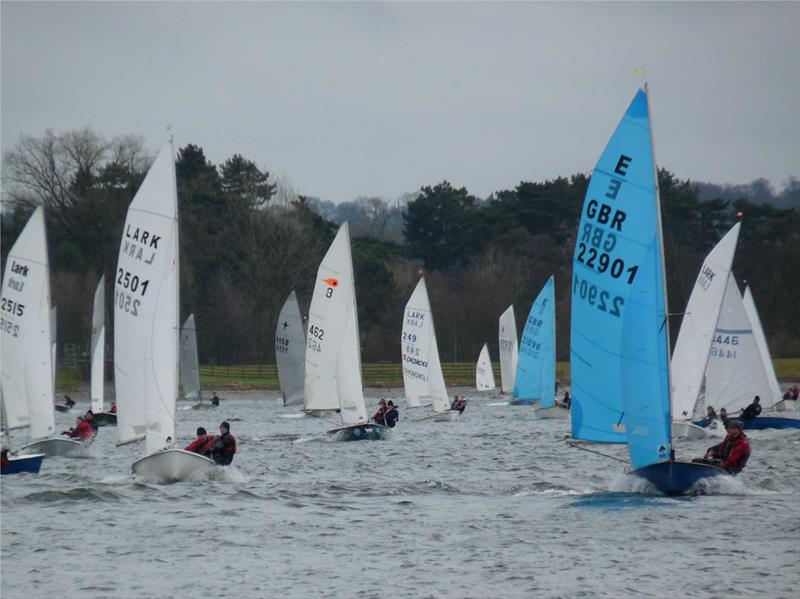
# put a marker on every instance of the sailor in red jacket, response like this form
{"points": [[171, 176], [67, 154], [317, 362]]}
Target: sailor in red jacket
{"points": [[82, 430], [202, 444], [380, 415], [734, 451]]}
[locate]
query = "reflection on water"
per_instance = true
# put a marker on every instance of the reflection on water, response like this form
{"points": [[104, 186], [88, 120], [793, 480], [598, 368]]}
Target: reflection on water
{"points": [[495, 505]]}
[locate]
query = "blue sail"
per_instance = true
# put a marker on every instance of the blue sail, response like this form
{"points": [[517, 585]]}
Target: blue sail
{"points": [[536, 368], [619, 222], [644, 365]]}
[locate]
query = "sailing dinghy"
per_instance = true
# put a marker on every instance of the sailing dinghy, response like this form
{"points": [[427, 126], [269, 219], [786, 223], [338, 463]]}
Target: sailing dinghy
{"points": [[333, 355], [535, 380], [619, 335], [736, 370], [484, 375], [27, 368], [693, 347], [290, 351], [146, 296], [423, 379], [509, 349]]}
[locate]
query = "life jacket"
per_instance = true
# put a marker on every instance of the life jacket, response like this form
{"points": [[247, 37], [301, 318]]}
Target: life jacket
{"points": [[391, 417], [224, 447], [741, 448]]}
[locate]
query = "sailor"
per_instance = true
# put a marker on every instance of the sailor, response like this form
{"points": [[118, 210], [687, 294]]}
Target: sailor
{"points": [[723, 417], [795, 393], [391, 416], [459, 403], [711, 415], [202, 444], [89, 417], [566, 401], [224, 446], [82, 429], [215, 400], [380, 415], [3, 458], [68, 401], [753, 410], [734, 451], [113, 409]]}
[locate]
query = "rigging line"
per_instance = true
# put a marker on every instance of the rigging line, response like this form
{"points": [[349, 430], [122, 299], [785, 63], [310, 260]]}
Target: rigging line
{"points": [[576, 445]]}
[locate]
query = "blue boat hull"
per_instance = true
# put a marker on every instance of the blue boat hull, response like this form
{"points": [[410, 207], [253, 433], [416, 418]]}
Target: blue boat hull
{"points": [[359, 432], [762, 423], [676, 478], [28, 463], [521, 402]]}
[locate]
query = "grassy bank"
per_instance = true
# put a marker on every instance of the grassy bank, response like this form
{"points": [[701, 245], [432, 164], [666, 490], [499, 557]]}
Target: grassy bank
{"points": [[383, 374]]}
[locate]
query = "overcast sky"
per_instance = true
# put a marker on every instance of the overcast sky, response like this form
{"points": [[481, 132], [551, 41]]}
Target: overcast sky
{"points": [[363, 99]]}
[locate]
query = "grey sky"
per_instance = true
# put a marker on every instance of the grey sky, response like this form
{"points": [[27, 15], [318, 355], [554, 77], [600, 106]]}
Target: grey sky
{"points": [[381, 98]]}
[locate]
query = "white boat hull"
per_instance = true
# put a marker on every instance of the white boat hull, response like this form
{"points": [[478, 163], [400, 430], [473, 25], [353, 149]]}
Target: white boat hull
{"points": [[55, 448], [172, 465], [552, 412], [448, 416], [686, 430]]}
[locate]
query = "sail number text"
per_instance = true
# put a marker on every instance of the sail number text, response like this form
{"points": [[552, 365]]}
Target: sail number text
{"points": [[600, 298], [12, 307], [127, 302], [282, 345], [132, 282], [9, 327], [602, 262]]}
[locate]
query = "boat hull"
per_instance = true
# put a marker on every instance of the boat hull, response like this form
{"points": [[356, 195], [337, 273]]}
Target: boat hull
{"points": [[677, 478], [520, 402], [172, 465], [105, 419], [62, 408], [27, 463], [54, 448], [552, 412], [447, 416], [359, 432], [687, 430], [767, 422]]}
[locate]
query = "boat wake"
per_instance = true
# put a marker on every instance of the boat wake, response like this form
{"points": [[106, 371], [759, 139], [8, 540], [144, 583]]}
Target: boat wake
{"points": [[497, 403], [293, 415]]}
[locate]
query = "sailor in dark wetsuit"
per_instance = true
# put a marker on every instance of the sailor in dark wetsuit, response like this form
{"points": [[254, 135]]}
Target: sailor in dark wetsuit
{"points": [[391, 416], [753, 410], [224, 446]]}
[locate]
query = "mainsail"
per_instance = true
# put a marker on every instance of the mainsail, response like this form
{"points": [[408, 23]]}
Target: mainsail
{"points": [[763, 349], [98, 347], [290, 351], [146, 310], [189, 362], [484, 375], [509, 349], [693, 345], [536, 369]]}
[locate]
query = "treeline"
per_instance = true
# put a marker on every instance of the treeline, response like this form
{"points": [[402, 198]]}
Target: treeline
{"points": [[247, 241]]}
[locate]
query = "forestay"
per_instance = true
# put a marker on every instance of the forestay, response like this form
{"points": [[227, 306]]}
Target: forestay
{"points": [[735, 372], [189, 363], [27, 374], [484, 375], [693, 345], [763, 349], [509, 349], [290, 351], [333, 361], [536, 369], [98, 347], [146, 310]]}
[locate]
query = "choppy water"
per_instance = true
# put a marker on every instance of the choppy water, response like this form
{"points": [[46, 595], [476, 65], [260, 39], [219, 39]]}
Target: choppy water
{"points": [[495, 505]]}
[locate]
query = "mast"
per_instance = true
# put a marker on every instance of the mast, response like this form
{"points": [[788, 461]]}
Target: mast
{"points": [[663, 264]]}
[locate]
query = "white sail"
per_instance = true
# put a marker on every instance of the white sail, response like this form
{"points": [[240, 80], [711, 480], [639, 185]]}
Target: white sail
{"points": [[484, 375], [189, 363], [290, 351], [146, 310], [509, 349], [98, 347], [422, 371], [763, 350], [27, 374], [693, 346], [333, 360], [735, 372]]}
